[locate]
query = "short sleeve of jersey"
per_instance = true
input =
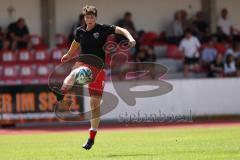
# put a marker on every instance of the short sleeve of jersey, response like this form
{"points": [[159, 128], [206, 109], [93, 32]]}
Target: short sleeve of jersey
{"points": [[77, 35], [109, 29]]}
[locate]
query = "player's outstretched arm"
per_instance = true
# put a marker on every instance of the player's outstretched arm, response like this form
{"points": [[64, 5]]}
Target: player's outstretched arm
{"points": [[125, 33], [74, 47]]}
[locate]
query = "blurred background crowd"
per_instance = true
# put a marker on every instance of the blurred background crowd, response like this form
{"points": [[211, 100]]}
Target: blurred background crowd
{"points": [[187, 47]]}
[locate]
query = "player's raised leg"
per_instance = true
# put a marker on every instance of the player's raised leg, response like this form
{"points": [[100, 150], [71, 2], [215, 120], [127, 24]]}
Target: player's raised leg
{"points": [[67, 84]]}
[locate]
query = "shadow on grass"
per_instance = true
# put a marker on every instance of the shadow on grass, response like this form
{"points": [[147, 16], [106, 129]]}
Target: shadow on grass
{"points": [[131, 155]]}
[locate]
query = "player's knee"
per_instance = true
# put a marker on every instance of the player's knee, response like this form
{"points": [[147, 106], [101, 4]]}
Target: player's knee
{"points": [[69, 80], [95, 103]]}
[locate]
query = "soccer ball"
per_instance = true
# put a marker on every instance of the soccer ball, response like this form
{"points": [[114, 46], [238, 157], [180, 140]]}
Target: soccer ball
{"points": [[83, 75]]}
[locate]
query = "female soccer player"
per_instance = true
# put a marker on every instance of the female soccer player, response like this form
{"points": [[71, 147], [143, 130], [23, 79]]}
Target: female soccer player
{"points": [[92, 38]]}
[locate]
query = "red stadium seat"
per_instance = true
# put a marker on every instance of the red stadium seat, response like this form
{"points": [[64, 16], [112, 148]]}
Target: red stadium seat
{"points": [[10, 74], [1, 70], [61, 41], [149, 38], [56, 54], [37, 42], [41, 55], [43, 71], [221, 48], [173, 52], [162, 35], [1, 75], [25, 56], [8, 56], [27, 74], [27, 71]]}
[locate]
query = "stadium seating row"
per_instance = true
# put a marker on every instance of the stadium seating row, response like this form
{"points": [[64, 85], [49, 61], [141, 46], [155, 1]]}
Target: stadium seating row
{"points": [[34, 66], [60, 40], [39, 55], [27, 73]]}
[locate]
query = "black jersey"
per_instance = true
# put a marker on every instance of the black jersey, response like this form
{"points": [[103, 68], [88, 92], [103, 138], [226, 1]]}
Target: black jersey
{"points": [[92, 42]]}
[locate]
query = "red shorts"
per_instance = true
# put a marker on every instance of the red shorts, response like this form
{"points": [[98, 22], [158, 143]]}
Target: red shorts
{"points": [[96, 87]]}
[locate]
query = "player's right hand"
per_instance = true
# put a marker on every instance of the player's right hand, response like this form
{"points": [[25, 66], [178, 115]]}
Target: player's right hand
{"points": [[65, 58], [132, 43]]}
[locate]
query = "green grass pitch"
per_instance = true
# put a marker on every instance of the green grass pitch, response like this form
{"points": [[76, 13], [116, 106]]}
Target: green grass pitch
{"points": [[215, 143]]}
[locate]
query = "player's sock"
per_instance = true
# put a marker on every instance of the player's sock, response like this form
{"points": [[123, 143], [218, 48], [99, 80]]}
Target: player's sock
{"points": [[92, 133]]}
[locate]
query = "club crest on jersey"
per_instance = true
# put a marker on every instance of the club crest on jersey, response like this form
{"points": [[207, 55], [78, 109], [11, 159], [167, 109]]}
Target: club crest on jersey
{"points": [[96, 35]]}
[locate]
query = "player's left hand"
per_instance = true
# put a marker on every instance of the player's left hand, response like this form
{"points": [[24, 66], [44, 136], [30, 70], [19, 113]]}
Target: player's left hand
{"points": [[132, 43]]}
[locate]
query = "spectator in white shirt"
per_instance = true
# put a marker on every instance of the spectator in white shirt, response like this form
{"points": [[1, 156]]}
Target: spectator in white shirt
{"points": [[234, 50], [190, 46], [225, 26], [230, 69]]}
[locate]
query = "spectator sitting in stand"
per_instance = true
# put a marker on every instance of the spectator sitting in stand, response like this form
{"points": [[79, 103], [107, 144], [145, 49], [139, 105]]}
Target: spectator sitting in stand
{"points": [[190, 46], [18, 35], [142, 55], [4, 43], [209, 54], [216, 67], [146, 54], [225, 28], [80, 22], [235, 51], [230, 69], [175, 30], [151, 57], [128, 24], [187, 23], [200, 27]]}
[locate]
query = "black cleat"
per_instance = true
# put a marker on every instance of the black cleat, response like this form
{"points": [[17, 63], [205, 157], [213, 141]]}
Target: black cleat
{"points": [[88, 145]]}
